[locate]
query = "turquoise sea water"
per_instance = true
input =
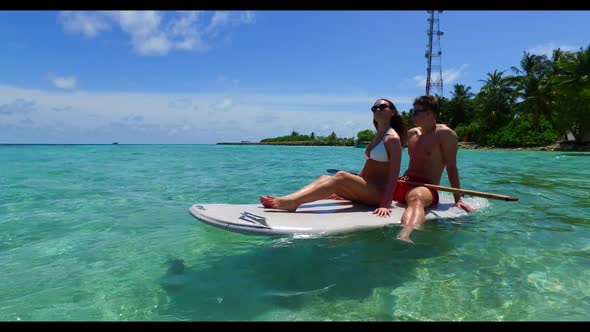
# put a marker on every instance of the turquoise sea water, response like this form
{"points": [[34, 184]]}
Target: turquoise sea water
{"points": [[98, 233]]}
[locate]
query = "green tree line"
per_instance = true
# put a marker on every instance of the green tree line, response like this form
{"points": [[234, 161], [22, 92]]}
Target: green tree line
{"points": [[534, 104], [331, 139], [541, 101]]}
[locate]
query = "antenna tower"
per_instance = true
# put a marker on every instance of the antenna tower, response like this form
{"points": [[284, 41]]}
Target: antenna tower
{"points": [[433, 52]]}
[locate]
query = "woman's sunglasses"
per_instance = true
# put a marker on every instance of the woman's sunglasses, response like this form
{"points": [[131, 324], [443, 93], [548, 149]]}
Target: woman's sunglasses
{"points": [[379, 107]]}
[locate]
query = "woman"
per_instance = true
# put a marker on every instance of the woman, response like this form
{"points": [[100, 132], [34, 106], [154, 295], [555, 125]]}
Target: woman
{"points": [[375, 184]]}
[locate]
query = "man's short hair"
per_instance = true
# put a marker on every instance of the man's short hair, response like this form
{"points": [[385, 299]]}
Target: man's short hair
{"points": [[430, 102]]}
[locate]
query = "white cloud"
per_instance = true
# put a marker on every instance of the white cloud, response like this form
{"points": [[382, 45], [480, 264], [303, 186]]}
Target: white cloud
{"points": [[193, 118], [547, 49], [222, 18], [157, 33], [218, 19], [184, 25], [17, 106], [85, 23], [420, 80], [225, 104], [449, 76], [335, 102], [64, 82], [139, 24], [153, 45], [180, 104], [143, 27]]}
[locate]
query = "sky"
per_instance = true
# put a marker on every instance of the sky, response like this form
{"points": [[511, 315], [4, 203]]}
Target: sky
{"points": [[202, 77]]}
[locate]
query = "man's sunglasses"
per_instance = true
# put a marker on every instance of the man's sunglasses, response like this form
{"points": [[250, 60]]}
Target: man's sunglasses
{"points": [[419, 110], [380, 107]]}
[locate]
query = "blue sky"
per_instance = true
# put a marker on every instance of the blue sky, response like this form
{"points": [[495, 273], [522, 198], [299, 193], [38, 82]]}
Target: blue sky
{"points": [[206, 77]]}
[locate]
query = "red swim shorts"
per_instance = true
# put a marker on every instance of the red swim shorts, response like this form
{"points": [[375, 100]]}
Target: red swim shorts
{"points": [[401, 189]]}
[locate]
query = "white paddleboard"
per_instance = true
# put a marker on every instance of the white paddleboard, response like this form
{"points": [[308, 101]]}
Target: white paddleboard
{"points": [[317, 218]]}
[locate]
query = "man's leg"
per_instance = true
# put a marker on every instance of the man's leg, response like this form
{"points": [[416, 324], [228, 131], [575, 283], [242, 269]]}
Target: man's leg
{"points": [[417, 200]]}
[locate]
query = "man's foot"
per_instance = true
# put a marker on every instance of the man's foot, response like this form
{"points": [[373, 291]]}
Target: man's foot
{"points": [[271, 202], [404, 239], [404, 235]]}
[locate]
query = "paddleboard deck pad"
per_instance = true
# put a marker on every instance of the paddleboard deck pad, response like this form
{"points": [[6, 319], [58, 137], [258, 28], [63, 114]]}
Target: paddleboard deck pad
{"points": [[321, 217]]}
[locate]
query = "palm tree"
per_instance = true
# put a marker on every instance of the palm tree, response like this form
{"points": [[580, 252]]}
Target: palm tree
{"points": [[495, 100], [444, 113], [460, 106], [572, 91], [533, 87]]}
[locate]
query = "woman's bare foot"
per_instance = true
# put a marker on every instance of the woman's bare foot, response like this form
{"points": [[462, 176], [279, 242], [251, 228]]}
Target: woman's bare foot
{"points": [[278, 203], [267, 201]]}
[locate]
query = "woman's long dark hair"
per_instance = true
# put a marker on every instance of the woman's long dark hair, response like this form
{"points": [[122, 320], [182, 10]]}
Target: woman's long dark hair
{"points": [[397, 122]]}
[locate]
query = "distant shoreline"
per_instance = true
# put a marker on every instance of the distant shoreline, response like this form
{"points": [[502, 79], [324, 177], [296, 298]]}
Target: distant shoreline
{"points": [[301, 143], [558, 146]]}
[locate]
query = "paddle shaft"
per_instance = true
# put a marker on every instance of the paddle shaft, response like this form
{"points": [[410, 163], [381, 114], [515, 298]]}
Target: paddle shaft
{"points": [[450, 189], [462, 191]]}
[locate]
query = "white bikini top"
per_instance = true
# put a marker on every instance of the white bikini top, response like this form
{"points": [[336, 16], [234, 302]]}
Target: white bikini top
{"points": [[378, 153]]}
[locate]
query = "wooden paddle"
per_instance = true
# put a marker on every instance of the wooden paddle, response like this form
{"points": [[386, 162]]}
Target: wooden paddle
{"points": [[450, 189]]}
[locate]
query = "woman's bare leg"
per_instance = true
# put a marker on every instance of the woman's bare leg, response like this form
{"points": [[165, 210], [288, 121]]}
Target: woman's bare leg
{"points": [[310, 186], [344, 184]]}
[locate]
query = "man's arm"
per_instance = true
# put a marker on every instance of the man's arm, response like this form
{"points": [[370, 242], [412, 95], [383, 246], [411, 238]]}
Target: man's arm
{"points": [[449, 153], [411, 133]]}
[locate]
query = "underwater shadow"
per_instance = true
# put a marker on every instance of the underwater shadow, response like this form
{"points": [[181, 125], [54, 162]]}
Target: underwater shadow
{"points": [[290, 274]]}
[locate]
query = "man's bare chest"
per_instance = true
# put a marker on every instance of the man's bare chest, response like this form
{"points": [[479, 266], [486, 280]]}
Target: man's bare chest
{"points": [[423, 146]]}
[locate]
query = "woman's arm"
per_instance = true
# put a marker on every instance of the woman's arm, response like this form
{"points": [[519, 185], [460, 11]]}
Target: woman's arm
{"points": [[394, 149], [362, 170]]}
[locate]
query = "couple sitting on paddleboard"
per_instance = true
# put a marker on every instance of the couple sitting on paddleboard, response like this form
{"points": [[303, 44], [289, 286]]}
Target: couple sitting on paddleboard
{"points": [[431, 148]]}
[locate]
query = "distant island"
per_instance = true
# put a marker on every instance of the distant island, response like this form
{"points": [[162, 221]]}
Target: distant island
{"points": [[295, 138], [364, 137]]}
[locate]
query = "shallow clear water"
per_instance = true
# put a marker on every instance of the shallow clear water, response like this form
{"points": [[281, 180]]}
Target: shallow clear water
{"points": [[98, 233]]}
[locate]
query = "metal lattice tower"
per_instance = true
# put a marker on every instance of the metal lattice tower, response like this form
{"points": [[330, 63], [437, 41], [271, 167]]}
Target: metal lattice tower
{"points": [[434, 78]]}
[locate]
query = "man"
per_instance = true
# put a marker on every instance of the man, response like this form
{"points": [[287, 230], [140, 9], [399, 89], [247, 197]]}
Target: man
{"points": [[432, 147]]}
